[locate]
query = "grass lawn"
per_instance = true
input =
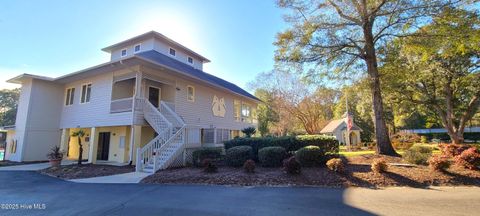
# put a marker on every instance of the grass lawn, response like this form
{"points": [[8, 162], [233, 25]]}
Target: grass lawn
{"points": [[343, 151], [356, 153]]}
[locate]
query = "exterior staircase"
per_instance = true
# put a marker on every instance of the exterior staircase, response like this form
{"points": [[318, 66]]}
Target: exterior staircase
{"points": [[168, 145]]}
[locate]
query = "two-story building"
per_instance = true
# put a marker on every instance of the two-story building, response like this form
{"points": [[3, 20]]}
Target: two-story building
{"points": [[147, 106]]}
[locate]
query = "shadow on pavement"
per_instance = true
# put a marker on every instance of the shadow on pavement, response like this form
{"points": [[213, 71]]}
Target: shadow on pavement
{"points": [[67, 198]]}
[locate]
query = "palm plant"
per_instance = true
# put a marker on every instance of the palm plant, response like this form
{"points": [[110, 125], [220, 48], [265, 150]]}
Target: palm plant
{"points": [[79, 134], [249, 131]]}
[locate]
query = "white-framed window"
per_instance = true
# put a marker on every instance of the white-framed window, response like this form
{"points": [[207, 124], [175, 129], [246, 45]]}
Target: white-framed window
{"points": [[246, 112], [124, 52], [70, 95], [191, 93], [236, 109], [172, 52], [190, 60], [137, 48], [86, 92]]}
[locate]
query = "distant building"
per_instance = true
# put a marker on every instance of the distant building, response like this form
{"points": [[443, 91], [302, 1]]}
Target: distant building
{"points": [[338, 128]]}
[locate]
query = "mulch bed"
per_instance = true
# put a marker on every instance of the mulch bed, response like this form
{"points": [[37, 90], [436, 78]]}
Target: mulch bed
{"points": [[357, 174], [85, 171]]}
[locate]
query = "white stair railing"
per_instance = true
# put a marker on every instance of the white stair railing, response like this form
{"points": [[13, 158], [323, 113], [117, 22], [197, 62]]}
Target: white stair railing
{"points": [[147, 154], [162, 150], [156, 119], [171, 115], [176, 144]]}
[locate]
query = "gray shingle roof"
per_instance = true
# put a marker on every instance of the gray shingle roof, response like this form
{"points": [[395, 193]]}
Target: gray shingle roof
{"points": [[334, 124], [162, 59]]}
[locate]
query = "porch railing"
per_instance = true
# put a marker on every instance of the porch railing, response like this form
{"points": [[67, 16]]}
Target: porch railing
{"points": [[170, 114], [121, 105]]}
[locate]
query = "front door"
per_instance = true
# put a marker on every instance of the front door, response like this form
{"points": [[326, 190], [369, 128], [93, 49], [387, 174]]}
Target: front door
{"points": [[154, 95], [103, 145]]}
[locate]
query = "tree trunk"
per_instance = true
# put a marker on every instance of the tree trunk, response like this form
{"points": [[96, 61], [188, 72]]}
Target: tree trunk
{"points": [[456, 138], [80, 151], [384, 145]]}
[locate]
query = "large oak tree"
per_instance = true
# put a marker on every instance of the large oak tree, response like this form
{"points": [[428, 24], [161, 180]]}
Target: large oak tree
{"points": [[440, 69], [347, 35]]}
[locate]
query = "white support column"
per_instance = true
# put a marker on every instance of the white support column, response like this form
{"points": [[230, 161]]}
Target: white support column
{"points": [[135, 142], [138, 84], [64, 141], [92, 152]]}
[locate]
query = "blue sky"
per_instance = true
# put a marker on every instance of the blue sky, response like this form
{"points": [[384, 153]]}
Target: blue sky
{"points": [[52, 38]]}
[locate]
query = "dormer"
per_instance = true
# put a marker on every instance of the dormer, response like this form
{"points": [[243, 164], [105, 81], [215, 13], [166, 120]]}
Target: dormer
{"points": [[158, 42]]}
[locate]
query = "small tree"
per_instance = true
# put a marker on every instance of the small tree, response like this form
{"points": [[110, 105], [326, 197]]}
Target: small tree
{"points": [[249, 131], [79, 134]]}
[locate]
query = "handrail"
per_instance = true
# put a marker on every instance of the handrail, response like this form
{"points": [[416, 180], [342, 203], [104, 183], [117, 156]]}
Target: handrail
{"points": [[167, 144], [149, 108], [174, 114]]}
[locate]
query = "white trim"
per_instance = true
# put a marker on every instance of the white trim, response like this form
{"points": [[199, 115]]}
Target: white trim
{"points": [[193, 88], [81, 93], [175, 51], [121, 52], [140, 45], [189, 57]]}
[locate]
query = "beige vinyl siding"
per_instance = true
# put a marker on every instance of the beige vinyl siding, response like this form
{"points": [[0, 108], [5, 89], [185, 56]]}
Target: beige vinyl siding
{"points": [[37, 123], [199, 112], [96, 113]]}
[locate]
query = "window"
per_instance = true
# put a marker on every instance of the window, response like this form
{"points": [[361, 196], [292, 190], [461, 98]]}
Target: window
{"points": [[86, 91], [137, 48], [190, 60], [172, 52], [124, 52], [208, 135], [246, 113], [69, 97], [236, 110], [190, 93]]}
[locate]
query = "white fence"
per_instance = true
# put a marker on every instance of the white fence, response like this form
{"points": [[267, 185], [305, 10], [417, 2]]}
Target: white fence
{"points": [[439, 130]]}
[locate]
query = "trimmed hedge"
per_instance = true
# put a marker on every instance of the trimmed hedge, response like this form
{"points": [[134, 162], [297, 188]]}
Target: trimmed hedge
{"points": [[237, 156], [272, 156], [327, 144], [418, 154], [309, 156], [205, 153]]}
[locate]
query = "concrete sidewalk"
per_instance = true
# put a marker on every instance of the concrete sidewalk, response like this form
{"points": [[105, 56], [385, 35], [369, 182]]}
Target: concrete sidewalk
{"points": [[32, 167], [124, 178]]}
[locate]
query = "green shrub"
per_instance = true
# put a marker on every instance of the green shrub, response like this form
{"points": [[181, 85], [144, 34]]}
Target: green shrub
{"points": [[423, 139], [327, 144], [237, 156], [309, 155], [203, 153], [292, 166], [272, 156], [418, 154]]}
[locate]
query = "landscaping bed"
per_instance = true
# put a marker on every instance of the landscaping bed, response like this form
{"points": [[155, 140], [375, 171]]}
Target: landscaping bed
{"points": [[85, 171], [357, 173]]}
